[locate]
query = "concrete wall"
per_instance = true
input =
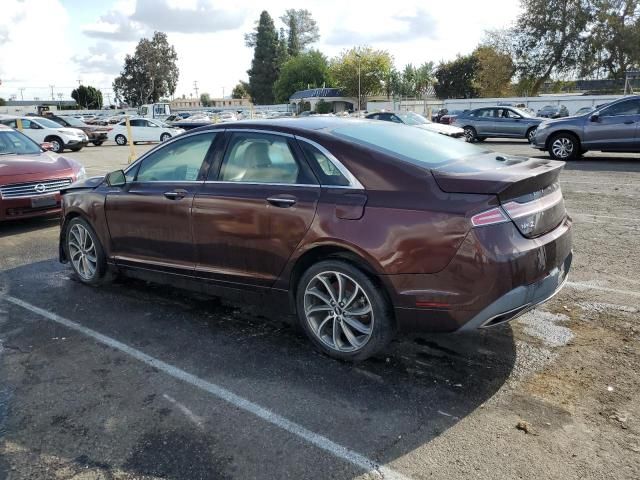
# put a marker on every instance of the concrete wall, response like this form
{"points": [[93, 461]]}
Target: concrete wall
{"points": [[572, 102]]}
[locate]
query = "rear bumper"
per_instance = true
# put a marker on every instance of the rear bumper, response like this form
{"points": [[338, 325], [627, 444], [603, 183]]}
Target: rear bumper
{"points": [[497, 274]]}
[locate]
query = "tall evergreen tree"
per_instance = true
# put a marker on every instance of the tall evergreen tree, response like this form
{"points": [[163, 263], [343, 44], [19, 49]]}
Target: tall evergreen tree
{"points": [[264, 66], [302, 29], [294, 39]]}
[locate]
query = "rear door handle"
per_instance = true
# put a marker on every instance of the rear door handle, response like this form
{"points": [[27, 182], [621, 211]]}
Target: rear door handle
{"points": [[629, 122], [177, 194], [282, 202]]}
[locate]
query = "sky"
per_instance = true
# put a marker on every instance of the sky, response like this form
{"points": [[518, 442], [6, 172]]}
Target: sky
{"points": [[51, 46]]}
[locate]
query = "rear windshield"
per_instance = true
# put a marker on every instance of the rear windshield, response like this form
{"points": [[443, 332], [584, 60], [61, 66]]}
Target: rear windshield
{"points": [[418, 146]]}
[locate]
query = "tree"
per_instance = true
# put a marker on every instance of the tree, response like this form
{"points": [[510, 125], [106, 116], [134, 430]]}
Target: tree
{"points": [[205, 99], [283, 50], [549, 38], [374, 69], [264, 66], [494, 71], [3, 102], [302, 30], [455, 79], [323, 107], [87, 97], [150, 74], [241, 90], [307, 70], [614, 38]]}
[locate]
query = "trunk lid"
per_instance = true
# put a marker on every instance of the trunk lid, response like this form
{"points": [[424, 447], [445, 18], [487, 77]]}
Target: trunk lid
{"points": [[527, 188]]}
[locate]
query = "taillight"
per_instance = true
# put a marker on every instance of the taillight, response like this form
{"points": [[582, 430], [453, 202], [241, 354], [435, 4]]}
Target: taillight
{"points": [[489, 217]]}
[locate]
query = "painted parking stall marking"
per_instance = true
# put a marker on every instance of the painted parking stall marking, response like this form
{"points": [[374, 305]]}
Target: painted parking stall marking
{"points": [[222, 393]]}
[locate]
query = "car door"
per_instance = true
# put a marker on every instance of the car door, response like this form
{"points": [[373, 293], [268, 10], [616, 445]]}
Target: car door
{"points": [[152, 131], [615, 127], [510, 124], [149, 219], [254, 209], [483, 121], [138, 129]]}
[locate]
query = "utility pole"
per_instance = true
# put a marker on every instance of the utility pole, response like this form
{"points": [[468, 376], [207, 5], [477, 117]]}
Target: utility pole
{"points": [[79, 81], [195, 87], [59, 100], [359, 61], [22, 89], [52, 96], [223, 93], [108, 95]]}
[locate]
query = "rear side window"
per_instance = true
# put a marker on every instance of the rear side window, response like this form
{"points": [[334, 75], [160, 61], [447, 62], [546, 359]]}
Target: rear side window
{"points": [[324, 168], [630, 107], [417, 146]]}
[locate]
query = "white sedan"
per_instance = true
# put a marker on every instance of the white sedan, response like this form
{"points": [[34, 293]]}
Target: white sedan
{"points": [[417, 120], [143, 130]]}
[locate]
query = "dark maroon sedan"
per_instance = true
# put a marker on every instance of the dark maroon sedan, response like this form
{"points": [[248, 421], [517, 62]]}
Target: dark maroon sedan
{"points": [[31, 177], [359, 227]]}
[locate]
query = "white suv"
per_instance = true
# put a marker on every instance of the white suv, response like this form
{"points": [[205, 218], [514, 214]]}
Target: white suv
{"points": [[42, 130]]}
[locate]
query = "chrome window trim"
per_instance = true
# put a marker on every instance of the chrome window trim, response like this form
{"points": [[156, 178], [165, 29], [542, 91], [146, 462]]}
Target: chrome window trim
{"points": [[270, 184], [257, 130], [354, 183]]}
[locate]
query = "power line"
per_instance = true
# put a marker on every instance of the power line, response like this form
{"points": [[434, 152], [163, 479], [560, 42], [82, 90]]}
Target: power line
{"points": [[195, 87]]}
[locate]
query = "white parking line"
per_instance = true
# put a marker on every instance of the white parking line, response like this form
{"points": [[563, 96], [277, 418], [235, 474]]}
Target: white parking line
{"points": [[586, 286], [222, 393]]}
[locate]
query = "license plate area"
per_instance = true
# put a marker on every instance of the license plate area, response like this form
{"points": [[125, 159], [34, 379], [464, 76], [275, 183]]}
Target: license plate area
{"points": [[45, 201]]}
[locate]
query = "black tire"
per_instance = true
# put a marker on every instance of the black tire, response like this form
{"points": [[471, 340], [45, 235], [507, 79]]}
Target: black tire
{"points": [[470, 134], [101, 274], [165, 136], [564, 146], [530, 134], [480, 139], [75, 149], [379, 319], [121, 139], [57, 143], [98, 143]]}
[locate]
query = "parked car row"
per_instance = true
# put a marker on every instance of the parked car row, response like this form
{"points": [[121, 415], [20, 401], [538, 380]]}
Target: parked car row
{"points": [[501, 122]]}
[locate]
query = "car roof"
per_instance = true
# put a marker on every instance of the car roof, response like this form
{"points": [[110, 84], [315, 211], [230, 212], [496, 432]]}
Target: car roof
{"points": [[4, 127], [287, 124]]}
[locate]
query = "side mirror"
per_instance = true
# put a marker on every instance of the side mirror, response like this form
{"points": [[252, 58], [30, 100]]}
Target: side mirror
{"points": [[46, 146], [595, 116], [116, 179]]}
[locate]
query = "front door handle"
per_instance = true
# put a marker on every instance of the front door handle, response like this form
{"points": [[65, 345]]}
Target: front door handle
{"points": [[282, 202], [629, 122], [176, 194]]}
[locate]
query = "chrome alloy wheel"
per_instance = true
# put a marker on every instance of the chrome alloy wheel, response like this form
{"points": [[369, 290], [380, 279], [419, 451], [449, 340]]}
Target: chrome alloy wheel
{"points": [[338, 311], [82, 251], [562, 147], [532, 134]]}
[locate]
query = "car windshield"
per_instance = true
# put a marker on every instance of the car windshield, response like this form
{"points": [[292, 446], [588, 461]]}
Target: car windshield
{"points": [[417, 146], [74, 122], [15, 143], [45, 122], [522, 113], [412, 118]]}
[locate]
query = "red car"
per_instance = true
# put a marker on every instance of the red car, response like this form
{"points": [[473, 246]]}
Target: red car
{"points": [[31, 177], [360, 227]]}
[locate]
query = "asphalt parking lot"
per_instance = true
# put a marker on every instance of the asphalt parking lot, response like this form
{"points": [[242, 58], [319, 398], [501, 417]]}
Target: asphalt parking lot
{"points": [[135, 381]]}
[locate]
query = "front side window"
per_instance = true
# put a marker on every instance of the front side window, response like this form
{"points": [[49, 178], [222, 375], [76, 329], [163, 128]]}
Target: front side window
{"points": [[629, 107], [179, 161], [44, 122], [261, 158]]}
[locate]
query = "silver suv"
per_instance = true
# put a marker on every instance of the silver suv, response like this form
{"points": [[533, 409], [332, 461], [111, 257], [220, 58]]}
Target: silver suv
{"points": [[613, 128]]}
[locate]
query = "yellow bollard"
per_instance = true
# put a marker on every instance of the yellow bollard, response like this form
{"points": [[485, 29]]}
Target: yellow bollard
{"points": [[132, 148], [19, 124]]}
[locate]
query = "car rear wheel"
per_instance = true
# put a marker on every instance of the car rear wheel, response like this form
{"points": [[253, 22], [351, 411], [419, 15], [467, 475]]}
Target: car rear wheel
{"points": [[85, 252], [564, 146], [121, 140], [343, 313], [97, 144], [470, 134], [57, 145], [531, 133], [164, 137]]}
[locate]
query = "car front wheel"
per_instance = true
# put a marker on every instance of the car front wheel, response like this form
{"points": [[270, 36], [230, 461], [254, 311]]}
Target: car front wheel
{"points": [[164, 137], [564, 146], [57, 145], [85, 252], [531, 133], [343, 313]]}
